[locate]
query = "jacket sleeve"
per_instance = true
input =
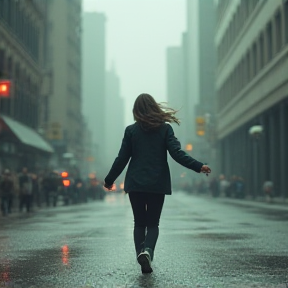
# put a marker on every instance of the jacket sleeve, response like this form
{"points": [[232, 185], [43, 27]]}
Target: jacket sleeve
{"points": [[121, 160], [180, 156]]}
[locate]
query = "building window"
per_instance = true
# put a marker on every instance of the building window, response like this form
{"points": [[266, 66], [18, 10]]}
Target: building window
{"points": [[2, 63], [254, 60], [269, 41], [261, 51], [248, 67], [278, 31], [286, 21]]}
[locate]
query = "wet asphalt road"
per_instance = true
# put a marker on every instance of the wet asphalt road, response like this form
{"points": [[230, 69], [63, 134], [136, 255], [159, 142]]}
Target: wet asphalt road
{"points": [[203, 242]]}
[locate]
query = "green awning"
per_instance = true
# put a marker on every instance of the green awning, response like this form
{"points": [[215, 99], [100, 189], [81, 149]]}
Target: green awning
{"points": [[26, 135]]}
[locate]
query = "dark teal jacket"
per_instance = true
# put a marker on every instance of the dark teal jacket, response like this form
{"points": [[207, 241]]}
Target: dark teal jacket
{"points": [[148, 170]]}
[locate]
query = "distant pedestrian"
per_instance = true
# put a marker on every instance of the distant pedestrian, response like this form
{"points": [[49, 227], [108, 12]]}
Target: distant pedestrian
{"points": [[6, 192], [147, 181], [35, 190], [25, 190], [224, 185], [268, 188], [239, 188], [214, 187]]}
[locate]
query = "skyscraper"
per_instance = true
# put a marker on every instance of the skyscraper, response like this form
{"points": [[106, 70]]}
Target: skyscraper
{"points": [[114, 122], [94, 73], [64, 56]]}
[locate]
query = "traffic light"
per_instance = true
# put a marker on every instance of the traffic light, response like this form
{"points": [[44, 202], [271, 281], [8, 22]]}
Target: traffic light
{"points": [[66, 182], [5, 88], [200, 126], [64, 174]]}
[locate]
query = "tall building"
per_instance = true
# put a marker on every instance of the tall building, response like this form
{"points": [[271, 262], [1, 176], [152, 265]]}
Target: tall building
{"points": [[205, 110], [252, 92], [176, 96], [22, 38], [175, 85], [114, 122], [65, 122], [190, 71], [192, 66], [94, 73]]}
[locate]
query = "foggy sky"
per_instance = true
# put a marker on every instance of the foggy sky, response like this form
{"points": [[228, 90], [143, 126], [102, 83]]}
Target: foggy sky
{"points": [[138, 33]]}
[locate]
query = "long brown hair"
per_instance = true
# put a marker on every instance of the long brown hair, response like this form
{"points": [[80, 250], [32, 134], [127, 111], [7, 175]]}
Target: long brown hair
{"points": [[150, 114]]}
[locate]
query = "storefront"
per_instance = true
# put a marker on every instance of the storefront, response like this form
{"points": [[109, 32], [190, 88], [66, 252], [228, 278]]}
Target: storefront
{"points": [[21, 146]]}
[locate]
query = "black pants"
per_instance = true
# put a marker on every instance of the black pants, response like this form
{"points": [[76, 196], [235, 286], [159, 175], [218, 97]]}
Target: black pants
{"points": [[147, 208], [25, 200], [5, 205]]}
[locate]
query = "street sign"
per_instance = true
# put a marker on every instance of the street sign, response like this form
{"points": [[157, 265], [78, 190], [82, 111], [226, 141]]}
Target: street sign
{"points": [[55, 131]]}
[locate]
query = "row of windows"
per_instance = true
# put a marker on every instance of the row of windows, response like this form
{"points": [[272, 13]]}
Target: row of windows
{"points": [[21, 25], [222, 5], [243, 12], [240, 145], [23, 106], [270, 42]]}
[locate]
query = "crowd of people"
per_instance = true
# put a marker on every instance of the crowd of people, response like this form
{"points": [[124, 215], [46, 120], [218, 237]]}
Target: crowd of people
{"points": [[233, 187], [26, 190]]}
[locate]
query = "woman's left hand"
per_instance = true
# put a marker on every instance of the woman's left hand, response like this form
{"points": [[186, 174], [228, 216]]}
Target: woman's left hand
{"points": [[108, 187]]}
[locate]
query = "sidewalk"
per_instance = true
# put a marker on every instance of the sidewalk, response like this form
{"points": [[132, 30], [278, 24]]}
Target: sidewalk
{"points": [[277, 203], [17, 215]]}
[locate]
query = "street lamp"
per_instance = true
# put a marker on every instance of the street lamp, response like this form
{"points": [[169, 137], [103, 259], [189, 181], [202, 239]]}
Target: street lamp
{"points": [[256, 131]]}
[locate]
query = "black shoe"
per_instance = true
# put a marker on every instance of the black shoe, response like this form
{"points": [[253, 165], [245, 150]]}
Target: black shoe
{"points": [[145, 261], [151, 253]]}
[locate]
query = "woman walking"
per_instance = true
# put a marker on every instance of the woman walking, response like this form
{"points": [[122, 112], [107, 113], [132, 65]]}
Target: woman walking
{"points": [[147, 180]]}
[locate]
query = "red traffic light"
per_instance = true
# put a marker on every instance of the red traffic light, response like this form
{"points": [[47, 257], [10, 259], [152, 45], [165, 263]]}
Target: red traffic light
{"points": [[64, 174], [5, 88], [66, 183]]}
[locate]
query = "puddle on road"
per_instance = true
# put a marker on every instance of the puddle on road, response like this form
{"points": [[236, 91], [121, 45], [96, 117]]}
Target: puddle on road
{"points": [[247, 224], [270, 264], [274, 215], [30, 267], [223, 236], [233, 263], [268, 213]]}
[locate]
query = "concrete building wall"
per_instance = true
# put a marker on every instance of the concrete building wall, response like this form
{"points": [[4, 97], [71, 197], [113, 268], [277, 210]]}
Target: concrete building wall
{"points": [[192, 66], [205, 145], [252, 88], [114, 122], [22, 60], [64, 57], [94, 72], [207, 56], [176, 99], [175, 86]]}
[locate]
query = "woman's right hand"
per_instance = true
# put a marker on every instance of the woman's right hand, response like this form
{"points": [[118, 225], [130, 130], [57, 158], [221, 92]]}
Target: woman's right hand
{"points": [[205, 169]]}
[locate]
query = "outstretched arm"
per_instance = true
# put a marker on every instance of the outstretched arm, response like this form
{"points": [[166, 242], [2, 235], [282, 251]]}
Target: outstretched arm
{"points": [[180, 156], [121, 160]]}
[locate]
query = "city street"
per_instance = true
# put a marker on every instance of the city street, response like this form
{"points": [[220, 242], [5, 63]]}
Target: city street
{"points": [[203, 242]]}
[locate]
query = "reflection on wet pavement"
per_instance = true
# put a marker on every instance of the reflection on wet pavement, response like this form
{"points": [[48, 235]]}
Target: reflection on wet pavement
{"points": [[92, 246]]}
